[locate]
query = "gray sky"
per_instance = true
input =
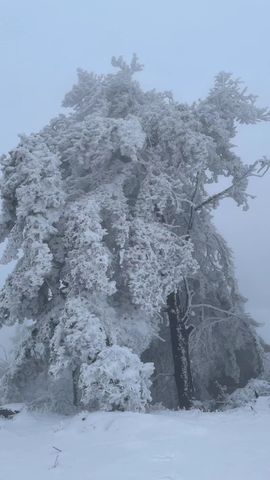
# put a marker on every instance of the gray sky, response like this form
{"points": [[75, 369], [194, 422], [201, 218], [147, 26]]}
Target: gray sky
{"points": [[183, 44]]}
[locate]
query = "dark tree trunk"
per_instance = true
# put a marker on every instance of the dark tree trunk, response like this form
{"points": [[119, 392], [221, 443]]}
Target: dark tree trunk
{"points": [[180, 332]]}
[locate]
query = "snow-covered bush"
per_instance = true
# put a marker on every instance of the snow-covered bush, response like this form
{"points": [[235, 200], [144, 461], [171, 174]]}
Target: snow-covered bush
{"points": [[254, 389], [117, 380]]}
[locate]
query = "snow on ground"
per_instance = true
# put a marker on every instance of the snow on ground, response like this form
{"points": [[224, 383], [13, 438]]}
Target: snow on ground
{"points": [[232, 445]]}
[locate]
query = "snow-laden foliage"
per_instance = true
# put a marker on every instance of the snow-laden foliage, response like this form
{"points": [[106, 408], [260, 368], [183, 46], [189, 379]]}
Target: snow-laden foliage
{"points": [[88, 258], [78, 338], [155, 261], [33, 197], [107, 211], [224, 345], [254, 389], [117, 379]]}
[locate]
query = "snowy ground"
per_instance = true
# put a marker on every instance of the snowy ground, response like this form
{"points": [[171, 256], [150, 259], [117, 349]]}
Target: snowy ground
{"points": [[192, 445]]}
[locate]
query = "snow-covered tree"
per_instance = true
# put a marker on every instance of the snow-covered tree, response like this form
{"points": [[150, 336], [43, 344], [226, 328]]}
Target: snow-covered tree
{"points": [[108, 213]]}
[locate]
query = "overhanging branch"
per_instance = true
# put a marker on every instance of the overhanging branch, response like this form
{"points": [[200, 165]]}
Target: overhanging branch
{"points": [[263, 167]]}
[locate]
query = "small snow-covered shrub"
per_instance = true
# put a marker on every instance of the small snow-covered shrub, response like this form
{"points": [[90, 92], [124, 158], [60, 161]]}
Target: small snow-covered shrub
{"points": [[254, 389], [117, 380]]}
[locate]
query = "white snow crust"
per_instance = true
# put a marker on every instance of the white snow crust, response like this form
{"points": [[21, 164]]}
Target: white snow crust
{"points": [[194, 445]]}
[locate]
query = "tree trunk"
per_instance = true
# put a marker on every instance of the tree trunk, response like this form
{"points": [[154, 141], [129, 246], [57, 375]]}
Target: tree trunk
{"points": [[180, 333]]}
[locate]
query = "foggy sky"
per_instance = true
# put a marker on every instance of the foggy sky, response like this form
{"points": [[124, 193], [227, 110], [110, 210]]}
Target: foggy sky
{"points": [[183, 45]]}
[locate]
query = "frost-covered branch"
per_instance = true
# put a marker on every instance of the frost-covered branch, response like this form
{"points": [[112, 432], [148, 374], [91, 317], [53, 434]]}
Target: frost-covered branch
{"points": [[257, 169]]}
